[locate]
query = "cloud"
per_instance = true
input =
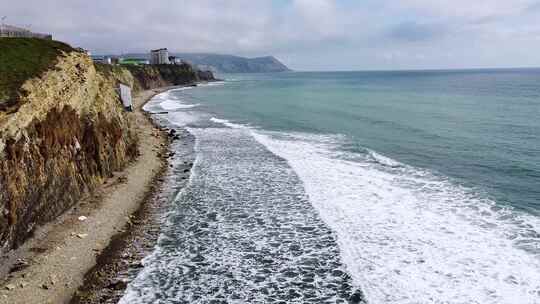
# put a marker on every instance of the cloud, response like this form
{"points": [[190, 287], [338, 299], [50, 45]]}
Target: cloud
{"points": [[533, 7], [417, 32], [465, 8], [307, 34]]}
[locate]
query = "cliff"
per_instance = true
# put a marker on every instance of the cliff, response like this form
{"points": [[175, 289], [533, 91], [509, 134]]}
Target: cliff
{"points": [[63, 130]]}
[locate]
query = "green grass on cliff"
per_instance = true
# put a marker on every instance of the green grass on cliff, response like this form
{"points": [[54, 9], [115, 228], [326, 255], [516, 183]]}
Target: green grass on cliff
{"points": [[22, 59]]}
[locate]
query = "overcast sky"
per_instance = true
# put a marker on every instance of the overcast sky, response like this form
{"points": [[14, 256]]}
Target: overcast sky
{"points": [[304, 34]]}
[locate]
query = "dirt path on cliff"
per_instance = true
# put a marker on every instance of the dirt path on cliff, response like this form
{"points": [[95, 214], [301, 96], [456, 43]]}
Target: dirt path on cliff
{"points": [[56, 259]]}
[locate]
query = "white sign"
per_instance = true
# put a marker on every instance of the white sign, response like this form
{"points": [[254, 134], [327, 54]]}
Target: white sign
{"points": [[125, 95]]}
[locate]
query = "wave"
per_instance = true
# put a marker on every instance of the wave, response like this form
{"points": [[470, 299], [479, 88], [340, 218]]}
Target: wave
{"points": [[409, 236], [383, 160], [212, 84], [227, 123], [170, 105]]}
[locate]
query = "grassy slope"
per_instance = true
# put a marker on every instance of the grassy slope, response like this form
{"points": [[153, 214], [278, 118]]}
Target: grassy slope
{"points": [[22, 59]]}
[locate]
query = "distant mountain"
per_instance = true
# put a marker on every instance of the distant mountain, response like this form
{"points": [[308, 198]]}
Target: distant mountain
{"points": [[228, 63], [234, 64]]}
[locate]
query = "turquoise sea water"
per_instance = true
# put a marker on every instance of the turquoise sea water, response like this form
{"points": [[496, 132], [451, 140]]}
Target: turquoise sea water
{"points": [[428, 183], [481, 127]]}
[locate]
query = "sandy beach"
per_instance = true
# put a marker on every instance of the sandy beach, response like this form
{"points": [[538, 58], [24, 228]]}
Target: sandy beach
{"points": [[50, 267]]}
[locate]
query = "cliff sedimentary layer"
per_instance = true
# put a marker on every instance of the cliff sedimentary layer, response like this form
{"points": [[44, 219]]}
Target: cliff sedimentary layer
{"points": [[63, 133], [68, 134]]}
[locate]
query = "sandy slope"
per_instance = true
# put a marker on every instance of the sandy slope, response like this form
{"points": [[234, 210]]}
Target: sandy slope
{"points": [[68, 247]]}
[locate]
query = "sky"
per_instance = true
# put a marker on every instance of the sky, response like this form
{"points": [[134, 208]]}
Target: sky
{"points": [[304, 34]]}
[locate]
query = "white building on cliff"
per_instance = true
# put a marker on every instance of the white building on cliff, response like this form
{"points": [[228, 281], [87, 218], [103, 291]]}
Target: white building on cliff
{"points": [[159, 56]]}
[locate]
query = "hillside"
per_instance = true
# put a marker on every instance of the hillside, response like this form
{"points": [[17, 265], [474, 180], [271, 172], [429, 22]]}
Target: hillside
{"points": [[234, 64], [228, 63], [21, 59]]}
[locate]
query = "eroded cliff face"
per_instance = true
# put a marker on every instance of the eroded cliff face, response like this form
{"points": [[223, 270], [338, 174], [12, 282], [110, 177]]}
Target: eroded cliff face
{"points": [[69, 133]]}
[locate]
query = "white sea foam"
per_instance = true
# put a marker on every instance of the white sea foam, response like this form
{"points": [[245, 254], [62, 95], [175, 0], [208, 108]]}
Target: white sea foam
{"points": [[383, 159], [227, 123], [408, 236], [212, 84], [171, 105], [182, 118], [153, 104]]}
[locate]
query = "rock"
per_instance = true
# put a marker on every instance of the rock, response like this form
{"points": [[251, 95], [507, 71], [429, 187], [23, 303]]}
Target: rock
{"points": [[19, 265], [357, 297], [44, 286], [118, 285], [198, 258], [23, 284], [82, 218], [10, 286], [212, 216], [82, 235]]}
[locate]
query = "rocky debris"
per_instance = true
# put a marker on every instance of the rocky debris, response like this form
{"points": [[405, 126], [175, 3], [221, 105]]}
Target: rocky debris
{"points": [[121, 260], [357, 297], [19, 265], [117, 285]]}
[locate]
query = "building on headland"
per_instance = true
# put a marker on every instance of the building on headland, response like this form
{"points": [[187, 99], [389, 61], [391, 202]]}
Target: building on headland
{"points": [[159, 56], [19, 32]]}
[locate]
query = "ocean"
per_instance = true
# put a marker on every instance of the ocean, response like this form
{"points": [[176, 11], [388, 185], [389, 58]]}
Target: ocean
{"points": [[344, 187]]}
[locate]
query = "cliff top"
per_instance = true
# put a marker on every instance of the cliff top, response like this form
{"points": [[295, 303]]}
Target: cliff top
{"points": [[22, 59]]}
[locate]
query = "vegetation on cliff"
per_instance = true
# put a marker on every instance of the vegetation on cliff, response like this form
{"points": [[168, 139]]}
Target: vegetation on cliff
{"points": [[63, 129], [144, 77], [22, 59], [65, 133]]}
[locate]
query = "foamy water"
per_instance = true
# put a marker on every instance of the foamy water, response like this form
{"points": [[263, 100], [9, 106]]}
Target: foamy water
{"points": [[405, 235]]}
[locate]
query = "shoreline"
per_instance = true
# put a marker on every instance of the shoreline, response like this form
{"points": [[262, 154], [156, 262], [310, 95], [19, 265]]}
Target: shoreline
{"points": [[122, 260], [53, 264]]}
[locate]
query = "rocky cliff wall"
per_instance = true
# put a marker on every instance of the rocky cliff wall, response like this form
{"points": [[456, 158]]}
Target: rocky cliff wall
{"points": [[68, 134], [146, 77]]}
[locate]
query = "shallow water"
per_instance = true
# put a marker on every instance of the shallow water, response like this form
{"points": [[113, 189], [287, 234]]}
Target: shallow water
{"points": [[413, 187]]}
